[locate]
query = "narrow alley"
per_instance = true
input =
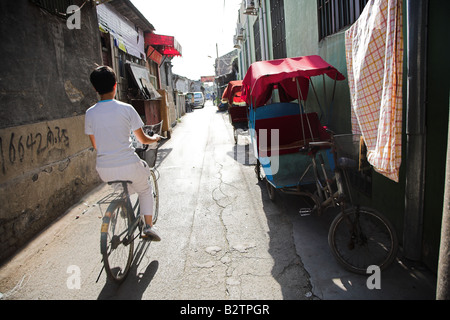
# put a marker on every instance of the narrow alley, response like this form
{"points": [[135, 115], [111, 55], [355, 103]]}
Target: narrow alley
{"points": [[358, 120], [222, 238]]}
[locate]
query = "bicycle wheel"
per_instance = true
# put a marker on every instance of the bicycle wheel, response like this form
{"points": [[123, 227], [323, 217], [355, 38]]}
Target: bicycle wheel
{"points": [[116, 247], [154, 184], [361, 237]]}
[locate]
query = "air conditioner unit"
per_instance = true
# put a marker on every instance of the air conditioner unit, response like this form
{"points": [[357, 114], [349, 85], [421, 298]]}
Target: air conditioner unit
{"points": [[250, 7], [239, 32], [236, 43]]}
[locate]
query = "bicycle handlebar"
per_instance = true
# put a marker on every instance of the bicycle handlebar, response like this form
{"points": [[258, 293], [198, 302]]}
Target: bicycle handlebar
{"points": [[320, 144]]}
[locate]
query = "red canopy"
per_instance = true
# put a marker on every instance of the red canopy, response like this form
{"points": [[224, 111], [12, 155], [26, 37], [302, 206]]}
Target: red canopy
{"points": [[263, 76], [232, 88], [166, 45]]}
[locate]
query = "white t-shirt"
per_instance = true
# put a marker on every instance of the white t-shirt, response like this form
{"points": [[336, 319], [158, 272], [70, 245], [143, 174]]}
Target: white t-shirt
{"points": [[111, 121]]}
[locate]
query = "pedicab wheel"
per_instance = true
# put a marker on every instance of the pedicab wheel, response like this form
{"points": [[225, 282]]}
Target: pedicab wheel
{"points": [[271, 191], [258, 171], [362, 237]]}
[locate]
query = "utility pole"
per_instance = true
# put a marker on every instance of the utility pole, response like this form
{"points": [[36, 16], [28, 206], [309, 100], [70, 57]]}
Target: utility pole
{"points": [[217, 68]]}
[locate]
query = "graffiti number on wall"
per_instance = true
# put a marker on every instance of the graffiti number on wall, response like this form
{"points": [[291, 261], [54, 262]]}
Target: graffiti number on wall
{"points": [[19, 147]]}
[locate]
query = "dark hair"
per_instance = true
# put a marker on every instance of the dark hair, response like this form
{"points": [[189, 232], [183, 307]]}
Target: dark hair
{"points": [[103, 79]]}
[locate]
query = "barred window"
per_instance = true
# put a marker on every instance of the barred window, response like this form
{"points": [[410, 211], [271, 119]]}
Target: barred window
{"points": [[334, 15], [278, 28]]}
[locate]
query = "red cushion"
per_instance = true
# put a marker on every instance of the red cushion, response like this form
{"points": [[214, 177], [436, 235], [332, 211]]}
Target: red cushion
{"points": [[291, 135]]}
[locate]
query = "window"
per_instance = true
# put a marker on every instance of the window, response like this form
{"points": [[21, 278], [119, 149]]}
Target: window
{"points": [[334, 15], [278, 29]]}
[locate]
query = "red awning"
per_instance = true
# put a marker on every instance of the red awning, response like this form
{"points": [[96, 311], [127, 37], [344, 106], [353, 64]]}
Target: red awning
{"points": [[263, 76], [166, 45]]}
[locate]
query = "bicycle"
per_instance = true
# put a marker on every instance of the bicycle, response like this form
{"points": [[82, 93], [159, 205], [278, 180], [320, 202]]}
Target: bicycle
{"points": [[122, 218], [358, 237]]}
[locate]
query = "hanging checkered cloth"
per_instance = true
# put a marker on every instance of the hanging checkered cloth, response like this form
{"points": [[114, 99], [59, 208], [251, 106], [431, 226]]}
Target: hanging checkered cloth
{"points": [[374, 50]]}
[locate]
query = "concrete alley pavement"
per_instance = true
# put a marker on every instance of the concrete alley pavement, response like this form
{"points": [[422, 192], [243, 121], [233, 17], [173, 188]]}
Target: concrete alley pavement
{"points": [[222, 238], [219, 241]]}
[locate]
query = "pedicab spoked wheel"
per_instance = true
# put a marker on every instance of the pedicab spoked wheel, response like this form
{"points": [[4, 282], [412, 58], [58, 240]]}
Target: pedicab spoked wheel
{"points": [[361, 237]]}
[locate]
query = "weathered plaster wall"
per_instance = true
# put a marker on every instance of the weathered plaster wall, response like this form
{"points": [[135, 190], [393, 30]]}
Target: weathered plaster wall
{"points": [[46, 161]]}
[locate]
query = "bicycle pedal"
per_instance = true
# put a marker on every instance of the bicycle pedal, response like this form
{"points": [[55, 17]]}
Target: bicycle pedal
{"points": [[304, 212], [144, 236]]}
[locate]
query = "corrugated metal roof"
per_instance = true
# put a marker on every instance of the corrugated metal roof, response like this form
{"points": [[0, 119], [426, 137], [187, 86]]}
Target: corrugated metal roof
{"points": [[128, 10]]}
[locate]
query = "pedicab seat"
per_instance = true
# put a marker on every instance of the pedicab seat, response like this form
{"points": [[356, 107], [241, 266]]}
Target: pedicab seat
{"points": [[291, 136]]}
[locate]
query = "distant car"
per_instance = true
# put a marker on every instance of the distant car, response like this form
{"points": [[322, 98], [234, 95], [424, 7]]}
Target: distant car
{"points": [[199, 99]]}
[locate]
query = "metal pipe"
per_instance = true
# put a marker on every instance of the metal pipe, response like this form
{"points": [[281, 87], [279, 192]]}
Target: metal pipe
{"points": [[266, 41], [417, 19], [261, 32], [249, 54]]}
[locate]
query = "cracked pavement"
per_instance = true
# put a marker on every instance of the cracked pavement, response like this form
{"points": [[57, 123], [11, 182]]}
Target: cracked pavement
{"points": [[238, 247], [222, 238]]}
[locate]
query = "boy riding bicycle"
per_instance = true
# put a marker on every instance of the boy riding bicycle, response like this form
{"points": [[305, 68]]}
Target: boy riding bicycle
{"points": [[108, 124]]}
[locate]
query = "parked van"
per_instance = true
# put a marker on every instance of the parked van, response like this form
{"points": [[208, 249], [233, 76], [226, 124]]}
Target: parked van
{"points": [[199, 99]]}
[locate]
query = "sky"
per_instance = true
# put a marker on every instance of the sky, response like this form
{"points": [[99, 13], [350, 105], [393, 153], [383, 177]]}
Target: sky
{"points": [[197, 25]]}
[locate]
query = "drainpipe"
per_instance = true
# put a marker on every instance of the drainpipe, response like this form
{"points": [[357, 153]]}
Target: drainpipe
{"points": [[417, 19], [266, 41], [249, 53], [262, 29]]}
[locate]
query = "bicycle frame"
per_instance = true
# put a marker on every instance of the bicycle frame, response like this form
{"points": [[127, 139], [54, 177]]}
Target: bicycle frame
{"points": [[326, 196], [339, 197]]}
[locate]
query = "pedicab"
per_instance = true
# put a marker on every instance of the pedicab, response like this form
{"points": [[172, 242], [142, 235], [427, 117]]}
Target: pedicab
{"points": [[237, 107], [298, 155], [282, 132]]}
